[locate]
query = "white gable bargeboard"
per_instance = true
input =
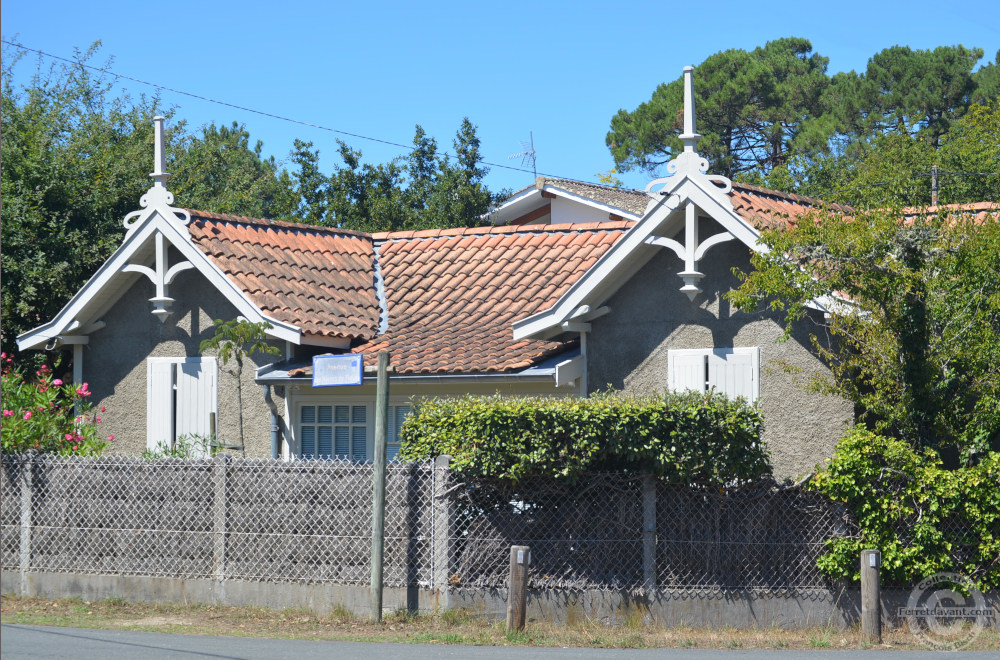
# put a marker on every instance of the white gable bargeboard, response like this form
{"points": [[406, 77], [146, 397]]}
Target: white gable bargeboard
{"points": [[150, 232]]}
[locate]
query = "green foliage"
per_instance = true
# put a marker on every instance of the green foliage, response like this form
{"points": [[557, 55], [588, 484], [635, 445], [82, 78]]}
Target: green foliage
{"points": [[237, 339], [906, 91], [684, 438], [917, 347], [47, 415], [922, 517], [186, 447], [218, 171], [752, 109], [424, 190]]}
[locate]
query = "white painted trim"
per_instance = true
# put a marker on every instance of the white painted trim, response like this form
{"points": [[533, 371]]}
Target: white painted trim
{"points": [[624, 257], [569, 371], [586, 201], [119, 261]]}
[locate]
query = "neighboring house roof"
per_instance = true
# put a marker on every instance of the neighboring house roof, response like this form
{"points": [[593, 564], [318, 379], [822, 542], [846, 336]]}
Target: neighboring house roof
{"points": [[317, 278], [762, 207]]}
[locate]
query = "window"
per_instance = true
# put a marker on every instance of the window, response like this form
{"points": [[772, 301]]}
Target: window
{"points": [[181, 400], [730, 371], [395, 422], [335, 431], [345, 430]]}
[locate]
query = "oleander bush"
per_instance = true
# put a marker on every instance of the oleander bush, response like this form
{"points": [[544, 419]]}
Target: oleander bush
{"points": [[47, 415]]}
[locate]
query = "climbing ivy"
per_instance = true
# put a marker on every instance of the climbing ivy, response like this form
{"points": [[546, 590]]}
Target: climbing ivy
{"points": [[922, 517]]}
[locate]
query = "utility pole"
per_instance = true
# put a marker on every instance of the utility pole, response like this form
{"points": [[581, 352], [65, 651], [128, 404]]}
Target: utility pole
{"points": [[934, 185], [378, 499]]}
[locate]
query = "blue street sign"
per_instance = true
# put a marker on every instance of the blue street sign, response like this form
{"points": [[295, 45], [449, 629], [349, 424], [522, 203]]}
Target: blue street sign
{"points": [[337, 370]]}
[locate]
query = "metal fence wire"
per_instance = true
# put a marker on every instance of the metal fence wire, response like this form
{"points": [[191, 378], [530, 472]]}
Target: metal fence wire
{"points": [[310, 522]]}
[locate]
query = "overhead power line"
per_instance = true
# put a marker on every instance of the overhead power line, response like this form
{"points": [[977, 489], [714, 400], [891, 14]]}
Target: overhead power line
{"points": [[408, 147]]}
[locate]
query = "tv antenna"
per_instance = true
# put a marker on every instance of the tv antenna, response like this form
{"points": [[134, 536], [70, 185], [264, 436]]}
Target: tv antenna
{"points": [[527, 154]]}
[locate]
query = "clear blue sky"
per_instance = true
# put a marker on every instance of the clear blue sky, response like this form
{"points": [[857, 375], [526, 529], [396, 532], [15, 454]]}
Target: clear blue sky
{"points": [[559, 69]]}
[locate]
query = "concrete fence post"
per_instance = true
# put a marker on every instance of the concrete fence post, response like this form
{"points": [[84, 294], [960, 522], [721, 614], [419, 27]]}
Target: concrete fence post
{"points": [[27, 486], [442, 522], [220, 505], [649, 534]]}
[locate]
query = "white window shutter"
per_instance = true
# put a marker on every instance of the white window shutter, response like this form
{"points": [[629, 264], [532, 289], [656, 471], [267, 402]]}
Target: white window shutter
{"points": [[159, 403], [196, 397], [732, 373], [687, 371]]}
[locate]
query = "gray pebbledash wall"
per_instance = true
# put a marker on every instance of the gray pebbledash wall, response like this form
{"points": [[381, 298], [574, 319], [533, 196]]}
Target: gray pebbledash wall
{"points": [[114, 364], [627, 350]]}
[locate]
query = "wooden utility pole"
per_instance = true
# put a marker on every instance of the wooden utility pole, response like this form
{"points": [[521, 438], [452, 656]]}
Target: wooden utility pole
{"points": [[871, 609], [378, 498], [934, 185], [517, 596]]}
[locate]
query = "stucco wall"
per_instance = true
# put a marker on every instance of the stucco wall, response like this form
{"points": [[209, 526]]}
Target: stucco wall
{"points": [[114, 364], [628, 350]]}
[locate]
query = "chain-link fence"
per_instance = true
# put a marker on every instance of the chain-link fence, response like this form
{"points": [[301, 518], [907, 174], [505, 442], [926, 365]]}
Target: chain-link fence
{"points": [[311, 522], [621, 532]]}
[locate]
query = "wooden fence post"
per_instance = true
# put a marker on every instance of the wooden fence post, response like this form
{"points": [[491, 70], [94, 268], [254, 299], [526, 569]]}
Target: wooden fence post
{"points": [[871, 609], [517, 596], [441, 532], [649, 534], [220, 478], [27, 485]]}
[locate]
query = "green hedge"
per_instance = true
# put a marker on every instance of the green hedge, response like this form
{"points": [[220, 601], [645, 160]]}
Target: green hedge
{"points": [[922, 517], [685, 438]]}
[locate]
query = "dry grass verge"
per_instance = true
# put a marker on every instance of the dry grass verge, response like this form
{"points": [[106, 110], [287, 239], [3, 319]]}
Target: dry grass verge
{"points": [[451, 627]]}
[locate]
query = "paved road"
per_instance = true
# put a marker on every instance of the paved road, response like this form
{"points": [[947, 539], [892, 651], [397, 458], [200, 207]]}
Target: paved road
{"points": [[24, 642]]}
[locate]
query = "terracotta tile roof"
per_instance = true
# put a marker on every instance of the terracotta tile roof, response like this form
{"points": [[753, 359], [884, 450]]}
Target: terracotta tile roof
{"points": [[317, 278], [769, 209], [978, 212], [454, 294]]}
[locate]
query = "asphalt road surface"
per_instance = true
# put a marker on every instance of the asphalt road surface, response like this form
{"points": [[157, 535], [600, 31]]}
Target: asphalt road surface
{"points": [[23, 642]]}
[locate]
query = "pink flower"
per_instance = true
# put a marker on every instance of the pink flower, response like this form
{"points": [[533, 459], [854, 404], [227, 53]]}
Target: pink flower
{"points": [[97, 419], [57, 382], [102, 409], [75, 447], [27, 415], [111, 438], [82, 390], [8, 413], [69, 436]]}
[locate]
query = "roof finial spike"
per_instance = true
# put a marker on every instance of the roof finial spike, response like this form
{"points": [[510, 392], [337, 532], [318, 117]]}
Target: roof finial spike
{"points": [[159, 174], [689, 137]]}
